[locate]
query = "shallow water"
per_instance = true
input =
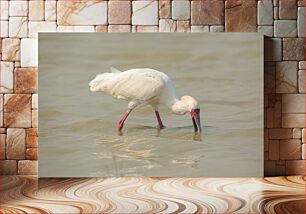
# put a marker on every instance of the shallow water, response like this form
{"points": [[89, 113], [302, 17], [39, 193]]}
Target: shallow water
{"points": [[77, 128]]}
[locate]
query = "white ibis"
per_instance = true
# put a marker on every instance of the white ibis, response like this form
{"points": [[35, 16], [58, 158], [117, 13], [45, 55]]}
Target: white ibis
{"points": [[145, 86]]}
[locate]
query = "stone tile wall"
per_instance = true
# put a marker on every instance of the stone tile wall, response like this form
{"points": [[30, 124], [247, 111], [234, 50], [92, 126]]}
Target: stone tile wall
{"points": [[282, 21]]}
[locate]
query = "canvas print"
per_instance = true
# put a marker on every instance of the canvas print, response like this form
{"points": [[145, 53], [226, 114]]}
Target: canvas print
{"points": [[148, 104]]}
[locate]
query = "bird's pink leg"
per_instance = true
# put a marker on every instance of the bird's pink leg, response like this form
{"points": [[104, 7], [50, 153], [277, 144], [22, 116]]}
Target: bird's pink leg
{"points": [[121, 122], [160, 123]]}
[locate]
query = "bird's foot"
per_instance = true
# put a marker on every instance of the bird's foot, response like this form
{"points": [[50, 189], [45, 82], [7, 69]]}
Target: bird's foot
{"points": [[161, 126], [120, 133], [120, 125], [119, 128]]}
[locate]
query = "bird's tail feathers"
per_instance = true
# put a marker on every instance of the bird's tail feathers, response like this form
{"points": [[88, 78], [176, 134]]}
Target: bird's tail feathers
{"points": [[114, 70], [103, 82]]}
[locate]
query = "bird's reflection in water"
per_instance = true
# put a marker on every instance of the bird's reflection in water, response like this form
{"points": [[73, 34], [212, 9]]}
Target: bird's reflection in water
{"points": [[139, 149], [127, 147], [196, 136]]}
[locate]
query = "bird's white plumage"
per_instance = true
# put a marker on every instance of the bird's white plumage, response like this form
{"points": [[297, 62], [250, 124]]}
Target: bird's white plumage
{"points": [[145, 86], [139, 86]]}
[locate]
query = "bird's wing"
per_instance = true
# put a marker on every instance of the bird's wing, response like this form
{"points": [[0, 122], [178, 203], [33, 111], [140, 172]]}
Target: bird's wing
{"points": [[140, 86]]}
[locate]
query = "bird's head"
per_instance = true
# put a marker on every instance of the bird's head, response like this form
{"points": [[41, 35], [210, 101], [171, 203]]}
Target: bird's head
{"points": [[191, 105]]}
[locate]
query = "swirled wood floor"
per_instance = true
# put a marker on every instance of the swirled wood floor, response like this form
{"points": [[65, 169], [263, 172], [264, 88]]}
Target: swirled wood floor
{"points": [[140, 195]]}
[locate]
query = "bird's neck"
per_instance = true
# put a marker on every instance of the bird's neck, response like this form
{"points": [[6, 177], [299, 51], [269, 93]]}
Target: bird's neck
{"points": [[172, 101]]}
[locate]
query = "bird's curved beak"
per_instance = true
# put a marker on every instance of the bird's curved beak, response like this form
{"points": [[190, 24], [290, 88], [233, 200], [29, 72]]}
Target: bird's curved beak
{"points": [[195, 116]]}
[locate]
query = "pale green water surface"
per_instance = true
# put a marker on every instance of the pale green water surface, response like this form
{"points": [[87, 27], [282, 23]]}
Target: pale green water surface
{"points": [[77, 128]]}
